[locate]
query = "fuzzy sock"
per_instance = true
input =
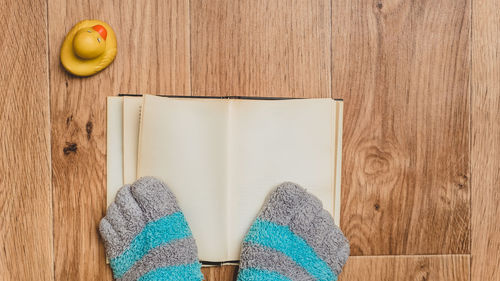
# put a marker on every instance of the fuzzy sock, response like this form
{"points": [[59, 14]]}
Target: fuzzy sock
{"points": [[293, 239], [147, 237]]}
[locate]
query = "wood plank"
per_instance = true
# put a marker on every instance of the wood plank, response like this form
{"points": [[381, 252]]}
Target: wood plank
{"points": [[388, 268], [153, 57], [485, 154], [402, 68], [25, 190], [261, 48], [220, 273]]}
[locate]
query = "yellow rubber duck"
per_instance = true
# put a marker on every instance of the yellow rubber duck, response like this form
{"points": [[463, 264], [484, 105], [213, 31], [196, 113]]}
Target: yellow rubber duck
{"points": [[89, 47]]}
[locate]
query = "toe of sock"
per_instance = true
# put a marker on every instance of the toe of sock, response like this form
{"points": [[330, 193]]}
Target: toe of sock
{"points": [[124, 213], [154, 198], [334, 247], [110, 237], [303, 213], [289, 202]]}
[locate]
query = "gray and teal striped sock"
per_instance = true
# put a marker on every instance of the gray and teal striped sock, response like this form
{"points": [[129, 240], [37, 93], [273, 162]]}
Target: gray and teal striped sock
{"points": [[147, 237], [293, 239]]}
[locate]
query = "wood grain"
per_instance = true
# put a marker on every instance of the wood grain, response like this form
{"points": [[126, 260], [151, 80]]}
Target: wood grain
{"points": [[25, 191], [402, 68], [418, 178], [417, 268], [220, 273], [485, 155], [261, 48], [153, 57]]}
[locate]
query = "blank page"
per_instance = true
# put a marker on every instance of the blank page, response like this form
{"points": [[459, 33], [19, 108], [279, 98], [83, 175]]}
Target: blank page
{"points": [[271, 142], [114, 156], [183, 142]]}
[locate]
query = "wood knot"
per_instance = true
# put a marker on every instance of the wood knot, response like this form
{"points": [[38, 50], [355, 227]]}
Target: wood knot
{"points": [[379, 162], [376, 161], [70, 147], [89, 127], [69, 120], [376, 164], [380, 5], [462, 181], [423, 273]]}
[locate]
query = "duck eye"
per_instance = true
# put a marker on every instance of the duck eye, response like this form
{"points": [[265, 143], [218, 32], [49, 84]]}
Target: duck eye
{"points": [[99, 40], [89, 31]]}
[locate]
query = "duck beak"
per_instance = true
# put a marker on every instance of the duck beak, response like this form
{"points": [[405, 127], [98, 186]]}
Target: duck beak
{"points": [[101, 30]]}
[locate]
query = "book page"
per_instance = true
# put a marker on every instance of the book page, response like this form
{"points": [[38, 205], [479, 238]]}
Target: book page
{"points": [[114, 157], [131, 113], [271, 142], [183, 142]]}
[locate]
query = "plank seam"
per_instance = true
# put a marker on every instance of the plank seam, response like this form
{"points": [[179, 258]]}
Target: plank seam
{"points": [[413, 256], [190, 51], [331, 54], [51, 193], [471, 131]]}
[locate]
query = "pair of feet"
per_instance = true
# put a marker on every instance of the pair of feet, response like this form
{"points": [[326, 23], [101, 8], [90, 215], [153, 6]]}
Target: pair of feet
{"points": [[293, 239]]}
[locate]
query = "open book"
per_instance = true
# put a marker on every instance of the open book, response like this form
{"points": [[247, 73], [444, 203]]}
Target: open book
{"points": [[222, 157]]}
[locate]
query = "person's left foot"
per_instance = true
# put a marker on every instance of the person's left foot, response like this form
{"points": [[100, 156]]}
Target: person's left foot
{"points": [[147, 237], [293, 239]]}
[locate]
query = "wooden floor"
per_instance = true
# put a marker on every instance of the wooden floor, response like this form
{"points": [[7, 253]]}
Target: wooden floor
{"points": [[421, 147]]}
